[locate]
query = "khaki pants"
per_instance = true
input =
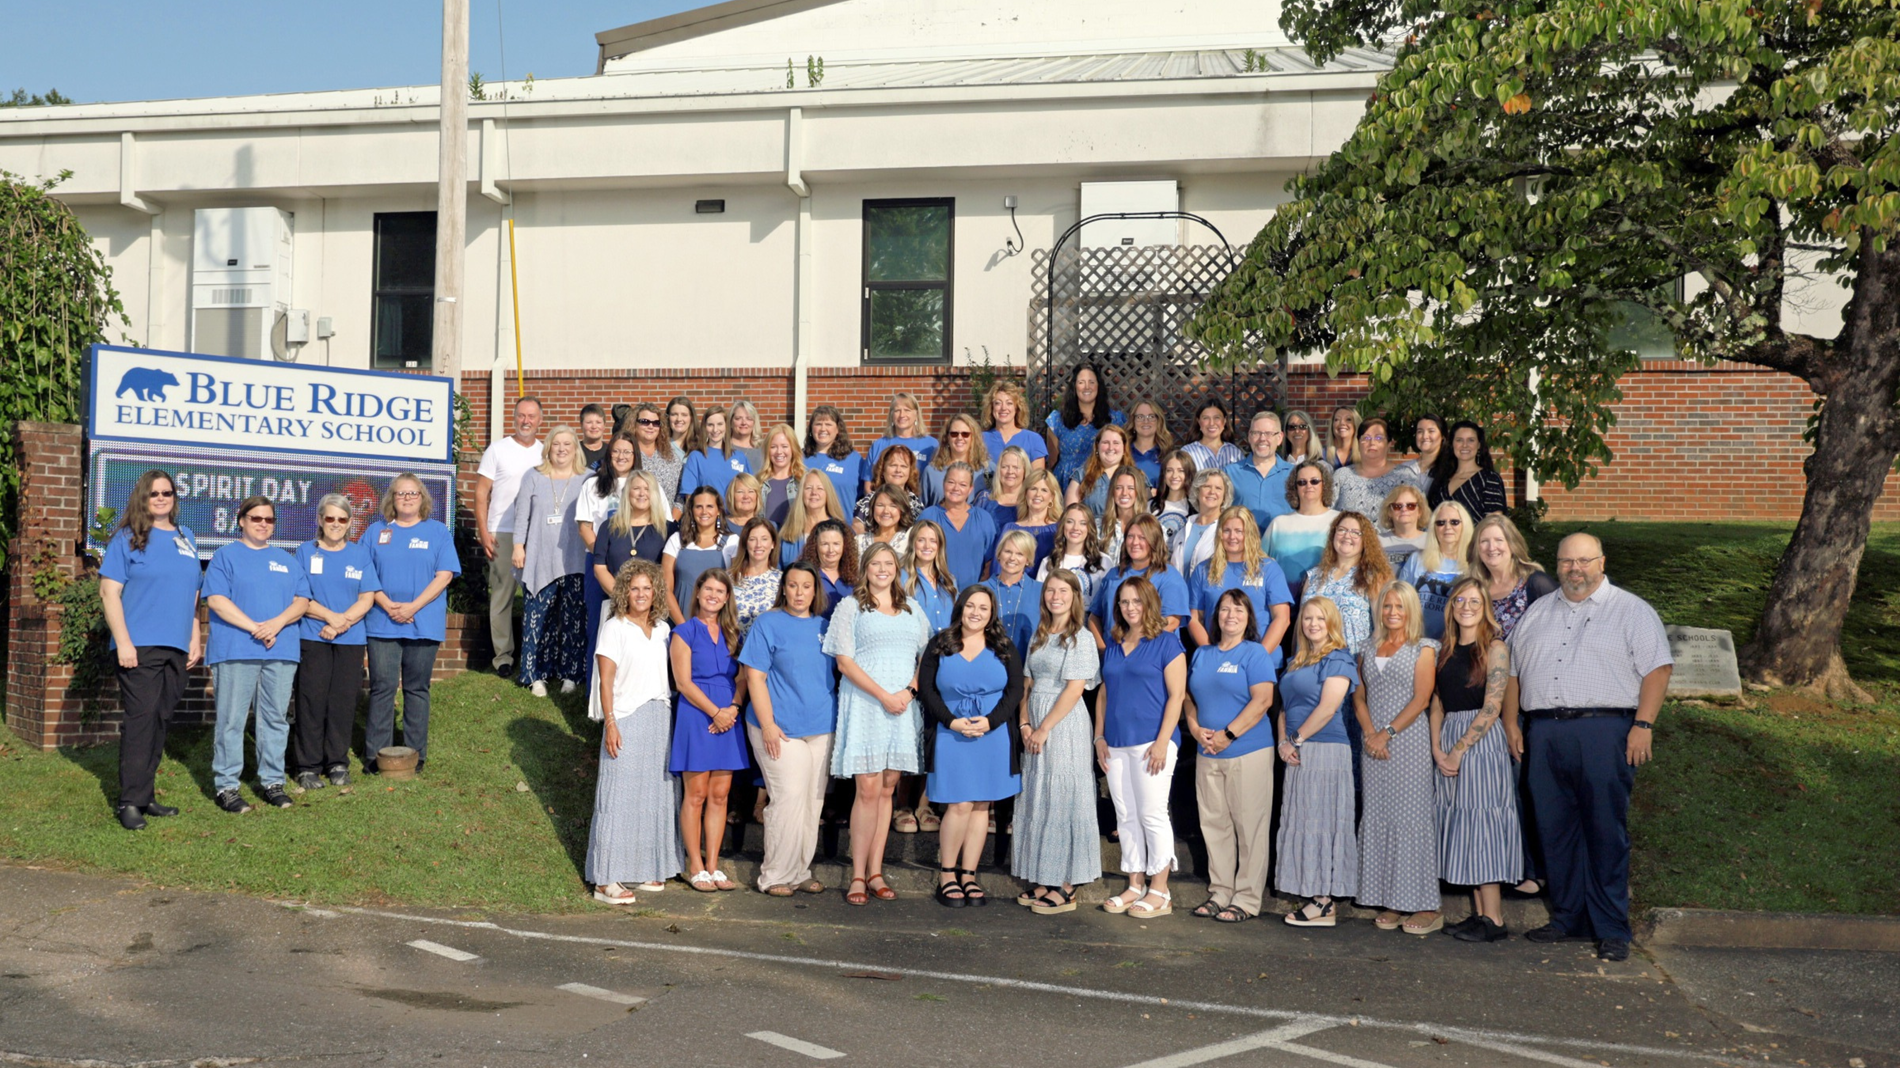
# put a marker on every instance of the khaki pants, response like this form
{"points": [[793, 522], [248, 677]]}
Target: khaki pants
{"points": [[796, 783], [1235, 796], [501, 600]]}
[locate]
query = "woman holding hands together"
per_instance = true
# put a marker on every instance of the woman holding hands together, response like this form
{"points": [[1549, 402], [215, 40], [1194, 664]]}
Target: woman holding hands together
{"points": [[1137, 738], [1057, 843], [1481, 843], [706, 748]]}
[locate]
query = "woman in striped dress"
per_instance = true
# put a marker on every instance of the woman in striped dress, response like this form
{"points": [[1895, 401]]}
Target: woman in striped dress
{"points": [[1319, 854], [1480, 840], [1398, 829]]}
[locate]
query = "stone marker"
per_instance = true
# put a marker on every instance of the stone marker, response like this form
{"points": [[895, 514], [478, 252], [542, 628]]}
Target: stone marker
{"points": [[1705, 663]]}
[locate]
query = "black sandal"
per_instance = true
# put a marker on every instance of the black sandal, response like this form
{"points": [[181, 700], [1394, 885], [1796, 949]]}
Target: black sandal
{"points": [[1061, 901], [950, 895], [973, 893], [1233, 914], [1205, 909]]}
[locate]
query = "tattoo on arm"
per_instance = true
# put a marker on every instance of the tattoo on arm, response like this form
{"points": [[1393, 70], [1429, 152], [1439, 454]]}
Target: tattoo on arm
{"points": [[1495, 678]]}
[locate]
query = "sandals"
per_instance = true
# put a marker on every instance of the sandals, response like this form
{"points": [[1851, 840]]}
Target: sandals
{"points": [[950, 895], [1115, 906], [702, 881], [653, 887], [1422, 929], [855, 896], [1066, 903], [884, 893], [973, 893], [1387, 921], [1313, 914], [1141, 910], [781, 890], [1206, 909], [614, 894], [811, 886], [720, 882], [927, 820], [1233, 914], [904, 822], [1028, 898]]}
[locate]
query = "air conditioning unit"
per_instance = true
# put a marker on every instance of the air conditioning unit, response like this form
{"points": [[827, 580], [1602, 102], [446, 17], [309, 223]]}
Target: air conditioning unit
{"points": [[240, 282]]}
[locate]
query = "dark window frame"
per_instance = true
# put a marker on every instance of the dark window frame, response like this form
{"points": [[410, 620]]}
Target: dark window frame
{"points": [[868, 287], [379, 290]]}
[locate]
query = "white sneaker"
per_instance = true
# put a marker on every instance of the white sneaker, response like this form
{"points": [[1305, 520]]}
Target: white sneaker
{"points": [[568, 686], [539, 689]]}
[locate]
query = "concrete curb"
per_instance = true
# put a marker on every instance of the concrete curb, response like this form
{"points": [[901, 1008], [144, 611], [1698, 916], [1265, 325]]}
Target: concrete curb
{"points": [[1722, 929]]}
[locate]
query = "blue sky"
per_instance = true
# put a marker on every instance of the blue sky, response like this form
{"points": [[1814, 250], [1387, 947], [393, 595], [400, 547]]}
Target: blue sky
{"points": [[97, 50]]}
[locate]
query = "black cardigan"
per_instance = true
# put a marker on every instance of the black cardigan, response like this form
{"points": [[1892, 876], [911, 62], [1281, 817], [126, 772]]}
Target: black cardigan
{"points": [[1004, 715]]}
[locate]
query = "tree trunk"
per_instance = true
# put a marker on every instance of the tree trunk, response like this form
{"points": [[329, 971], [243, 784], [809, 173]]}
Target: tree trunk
{"points": [[1799, 640]]}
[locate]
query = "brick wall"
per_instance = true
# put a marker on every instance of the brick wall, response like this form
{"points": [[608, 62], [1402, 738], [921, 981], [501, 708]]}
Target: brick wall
{"points": [[1679, 425]]}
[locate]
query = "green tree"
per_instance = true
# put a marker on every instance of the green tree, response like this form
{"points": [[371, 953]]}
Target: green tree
{"points": [[1530, 175], [56, 298], [20, 99]]}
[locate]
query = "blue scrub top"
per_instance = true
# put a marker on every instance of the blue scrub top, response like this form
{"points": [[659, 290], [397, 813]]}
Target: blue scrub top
{"points": [[835, 593], [922, 449], [1222, 683], [1027, 440], [1020, 607], [847, 476], [1267, 590], [407, 559], [930, 484], [1149, 462], [1045, 535], [262, 583], [798, 672], [968, 549], [337, 579], [1168, 583], [1300, 689], [711, 467], [1137, 689], [161, 584]]}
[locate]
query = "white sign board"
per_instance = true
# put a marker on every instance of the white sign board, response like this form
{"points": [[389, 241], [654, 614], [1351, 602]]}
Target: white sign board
{"points": [[171, 398]]}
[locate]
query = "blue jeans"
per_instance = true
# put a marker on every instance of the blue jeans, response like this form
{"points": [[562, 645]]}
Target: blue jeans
{"points": [[408, 663], [242, 685]]}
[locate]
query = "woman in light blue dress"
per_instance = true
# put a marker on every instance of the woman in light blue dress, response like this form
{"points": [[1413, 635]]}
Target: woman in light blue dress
{"points": [[971, 686], [1058, 843], [876, 635]]}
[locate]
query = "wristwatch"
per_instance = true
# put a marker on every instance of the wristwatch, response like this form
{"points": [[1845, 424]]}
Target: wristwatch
{"points": [[1231, 736], [1389, 732], [1645, 726]]}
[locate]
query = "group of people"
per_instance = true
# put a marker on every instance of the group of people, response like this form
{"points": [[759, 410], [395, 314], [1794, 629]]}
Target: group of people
{"points": [[1002, 612]]}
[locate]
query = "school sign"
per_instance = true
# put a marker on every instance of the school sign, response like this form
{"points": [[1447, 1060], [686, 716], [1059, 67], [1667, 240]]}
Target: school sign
{"points": [[227, 429]]}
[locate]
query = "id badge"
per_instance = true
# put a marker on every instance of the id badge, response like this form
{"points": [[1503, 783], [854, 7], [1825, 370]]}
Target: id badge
{"points": [[184, 547], [383, 537], [316, 565], [554, 520]]}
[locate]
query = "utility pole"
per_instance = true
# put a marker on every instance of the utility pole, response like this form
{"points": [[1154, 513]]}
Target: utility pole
{"points": [[451, 202]]}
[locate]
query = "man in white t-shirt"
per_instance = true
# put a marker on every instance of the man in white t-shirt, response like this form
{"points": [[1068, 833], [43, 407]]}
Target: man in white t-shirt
{"points": [[503, 465]]}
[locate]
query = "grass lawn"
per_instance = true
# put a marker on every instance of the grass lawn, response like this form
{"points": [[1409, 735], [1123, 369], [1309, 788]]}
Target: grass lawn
{"points": [[1785, 804]]}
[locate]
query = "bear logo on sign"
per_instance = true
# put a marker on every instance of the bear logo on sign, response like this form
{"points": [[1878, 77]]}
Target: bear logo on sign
{"points": [[147, 383]]}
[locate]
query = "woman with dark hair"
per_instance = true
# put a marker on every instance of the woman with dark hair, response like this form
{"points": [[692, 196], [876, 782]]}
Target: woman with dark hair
{"points": [[896, 467], [1213, 450], [1110, 454], [703, 541], [1137, 740], [1428, 437], [710, 460], [1078, 550], [656, 453], [706, 749], [889, 522], [1142, 554], [416, 560], [1127, 494], [1351, 571], [790, 721], [1362, 486], [1465, 473], [1173, 500], [681, 417], [148, 589], [1230, 683], [601, 495], [828, 448], [970, 683], [830, 552], [343, 587], [876, 635], [1086, 409], [755, 572], [1057, 844]]}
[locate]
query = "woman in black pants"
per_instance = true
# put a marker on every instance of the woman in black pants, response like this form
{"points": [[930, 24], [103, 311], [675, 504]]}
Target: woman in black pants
{"points": [[343, 586], [148, 588]]}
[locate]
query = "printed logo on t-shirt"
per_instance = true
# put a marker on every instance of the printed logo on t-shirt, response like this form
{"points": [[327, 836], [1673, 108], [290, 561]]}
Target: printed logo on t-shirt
{"points": [[354, 573], [834, 468], [282, 569], [738, 464], [418, 543], [1228, 667], [185, 547]]}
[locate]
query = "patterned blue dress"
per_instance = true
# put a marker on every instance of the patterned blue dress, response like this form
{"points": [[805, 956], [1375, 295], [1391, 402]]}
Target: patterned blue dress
{"points": [[887, 647], [1075, 444]]}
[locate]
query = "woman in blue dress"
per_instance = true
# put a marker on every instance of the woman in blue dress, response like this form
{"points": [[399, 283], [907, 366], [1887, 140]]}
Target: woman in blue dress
{"points": [[703, 541], [876, 635], [1317, 847], [971, 686], [1086, 409], [710, 461], [706, 747]]}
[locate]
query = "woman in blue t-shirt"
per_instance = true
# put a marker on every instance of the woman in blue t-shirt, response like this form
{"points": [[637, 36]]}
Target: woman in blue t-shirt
{"points": [[148, 589], [343, 587], [1319, 852], [903, 425], [415, 559], [828, 449], [790, 721], [1231, 683], [254, 591], [1137, 738], [710, 461]]}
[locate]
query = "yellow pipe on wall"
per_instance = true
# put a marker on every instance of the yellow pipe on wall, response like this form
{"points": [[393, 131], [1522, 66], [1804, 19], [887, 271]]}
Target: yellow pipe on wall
{"points": [[514, 286]]}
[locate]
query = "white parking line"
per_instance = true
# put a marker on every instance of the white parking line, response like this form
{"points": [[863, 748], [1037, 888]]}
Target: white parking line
{"points": [[441, 950], [1521, 1051], [1245, 1044], [604, 995], [796, 1045], [1325, 1055]]}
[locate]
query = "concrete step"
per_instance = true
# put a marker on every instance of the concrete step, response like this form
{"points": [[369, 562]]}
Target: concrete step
{"points": [[910, 865]]}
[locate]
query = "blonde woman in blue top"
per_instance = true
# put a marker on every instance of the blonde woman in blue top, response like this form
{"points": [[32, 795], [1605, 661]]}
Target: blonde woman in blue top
{"points": [[903, 425], [1005, 424], [927, 577], [1037, 517], [148, 590], [1318, 850], [710, 460], [1230, 686], [343, 585], [1434, 569], [790, 721], [416, 560], [815, 502], [1018, 597], [254, 592], [1239, 563], [1138, 739]]}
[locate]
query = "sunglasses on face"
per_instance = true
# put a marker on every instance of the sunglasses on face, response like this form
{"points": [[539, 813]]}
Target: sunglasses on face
{"points": [[647, 422], [267, 520], [1405, 506], [162, 493], [957, 434], [1309, 482], [1448, 522], [335, 519], [1291, 427]]}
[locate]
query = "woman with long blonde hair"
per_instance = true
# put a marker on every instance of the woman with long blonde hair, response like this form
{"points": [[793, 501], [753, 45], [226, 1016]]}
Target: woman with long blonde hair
{"points": [[781, 472], [551, 556], [1433, 569], [633, 841], [1006, 424], [1057, 844], [962, 442], [1241, 563], [1318, 850], [1398, 835]]}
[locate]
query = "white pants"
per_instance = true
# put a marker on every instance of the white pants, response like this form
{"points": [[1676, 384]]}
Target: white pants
{"points": [[1141, 808], [796, 783]]}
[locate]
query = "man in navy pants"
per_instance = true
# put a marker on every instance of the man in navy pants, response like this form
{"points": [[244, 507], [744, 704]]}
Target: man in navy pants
{"points": [[1589, 669]]}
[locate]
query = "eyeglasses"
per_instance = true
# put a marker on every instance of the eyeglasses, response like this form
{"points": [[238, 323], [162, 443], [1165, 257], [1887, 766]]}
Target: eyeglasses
{"points": [[959, 434], [1405, 506], [1291, 427], [647, 422], [162, 493], [1461, 602], [1581, 561], [1376, 439], [1309, 482], [1448, 522], [1150, 416], [405, 494], [335, 519], [267, 520], [1349, 533]]}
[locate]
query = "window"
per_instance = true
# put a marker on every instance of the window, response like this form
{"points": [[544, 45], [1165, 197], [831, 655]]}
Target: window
{"points": [[908, 258], [402, 314], [1635, 328]]}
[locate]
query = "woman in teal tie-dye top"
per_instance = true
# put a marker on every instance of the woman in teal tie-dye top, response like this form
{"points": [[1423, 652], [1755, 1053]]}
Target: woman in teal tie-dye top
{"points": [[1296, 540]]}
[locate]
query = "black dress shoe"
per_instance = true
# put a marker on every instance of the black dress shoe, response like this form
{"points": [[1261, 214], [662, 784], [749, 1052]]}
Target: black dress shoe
{"points": [[1613, 949], [1485, 931], [156, 809], [1465, 924], [1550, 932], [131, 818]]}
